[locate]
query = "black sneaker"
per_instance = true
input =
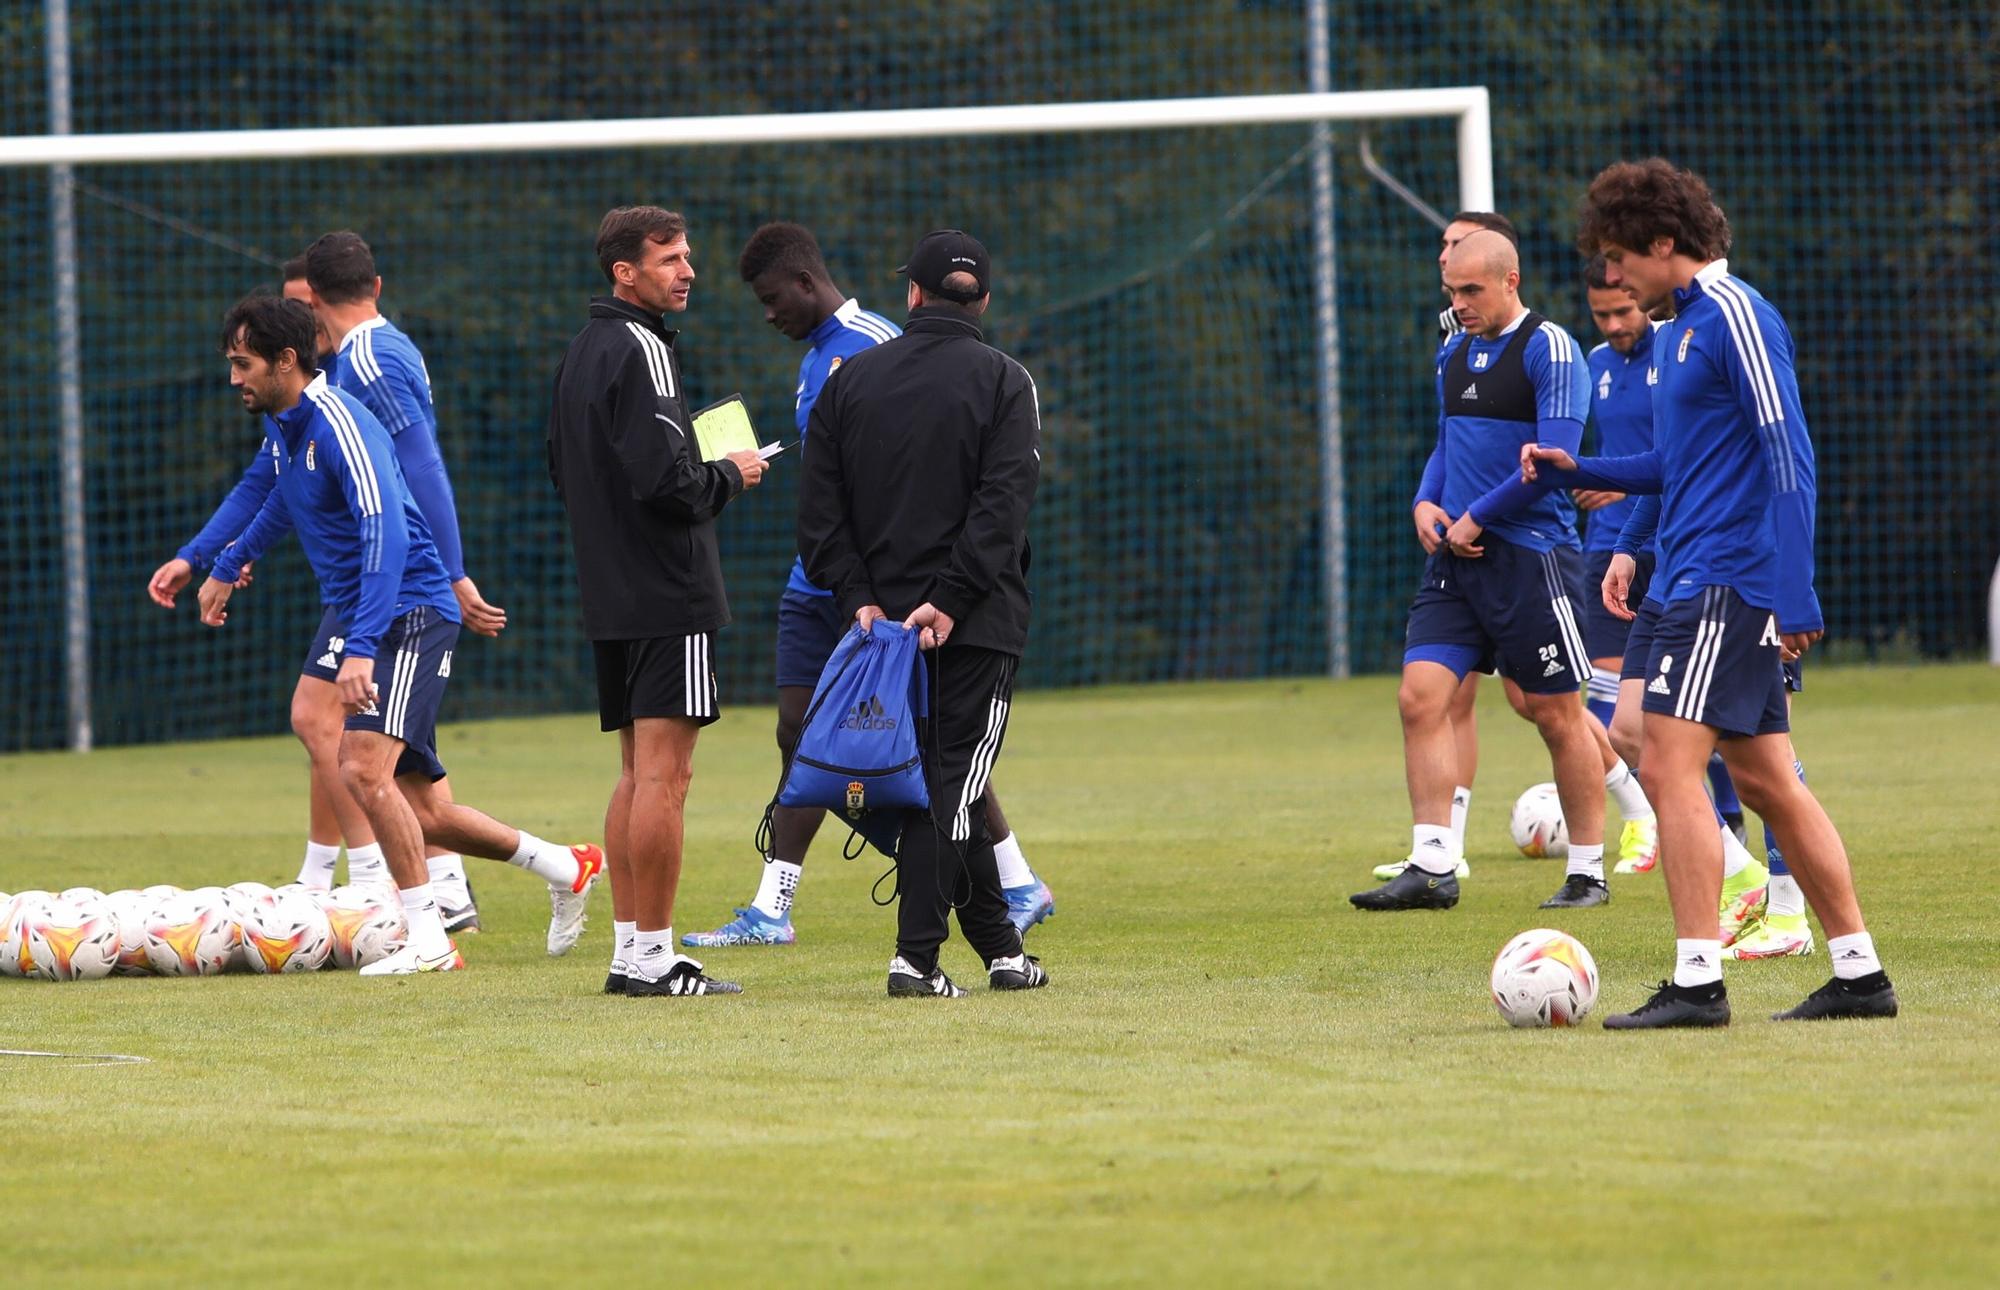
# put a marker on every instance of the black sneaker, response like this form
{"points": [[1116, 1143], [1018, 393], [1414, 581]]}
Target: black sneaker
{"points": [[905, 982], [460, 918], [1022, 972], [1676, 1005], [614, 982], [1864, 996], [1579, 891], [682, 979], [1413, 888]]}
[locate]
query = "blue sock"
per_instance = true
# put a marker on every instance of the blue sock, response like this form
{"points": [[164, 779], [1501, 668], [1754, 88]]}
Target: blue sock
{"points": [[1726, 800], [1773, 857]]}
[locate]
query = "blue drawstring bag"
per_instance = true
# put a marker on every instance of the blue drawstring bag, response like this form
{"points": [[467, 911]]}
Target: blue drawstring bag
{"points": [[857, 754]]}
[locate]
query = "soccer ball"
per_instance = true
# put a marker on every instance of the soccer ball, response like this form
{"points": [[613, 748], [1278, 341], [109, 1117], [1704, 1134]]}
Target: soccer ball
{"points": [[367, 923], [15, 915], [129, 909], [73, 940], [1544, 978], [1537, 825], [82, 893], [286, 932], [191, 934]]}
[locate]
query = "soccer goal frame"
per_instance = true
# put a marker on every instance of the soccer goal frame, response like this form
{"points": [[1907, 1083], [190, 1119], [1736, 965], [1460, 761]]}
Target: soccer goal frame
{"points": [[61, 151]]}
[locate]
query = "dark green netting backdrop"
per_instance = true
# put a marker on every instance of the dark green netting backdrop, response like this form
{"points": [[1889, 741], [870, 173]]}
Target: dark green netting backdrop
{"points": [[1158, 284]]}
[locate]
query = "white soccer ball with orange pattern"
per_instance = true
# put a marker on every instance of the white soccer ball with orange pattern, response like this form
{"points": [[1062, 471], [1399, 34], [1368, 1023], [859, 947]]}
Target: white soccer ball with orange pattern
{"points": [[1537, 823], [130, 909], [73, 940], [367, 923], [1544, 978], [15, 912], [192, 934], [286, 932]]}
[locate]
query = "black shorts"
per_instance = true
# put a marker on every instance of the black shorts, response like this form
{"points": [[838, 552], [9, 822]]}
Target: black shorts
{"points": [[660, 676], [1604, 633], [410, 676], [1715, 661], [808, 629], [1514, 608], [327, 649]]}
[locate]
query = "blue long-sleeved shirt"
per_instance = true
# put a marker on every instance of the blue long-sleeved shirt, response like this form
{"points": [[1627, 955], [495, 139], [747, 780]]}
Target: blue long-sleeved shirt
{"points": [[1621, 408], [380, 365], [1476, 465], [845, 333], [339, 485], [1732, 458], [237, 509]]}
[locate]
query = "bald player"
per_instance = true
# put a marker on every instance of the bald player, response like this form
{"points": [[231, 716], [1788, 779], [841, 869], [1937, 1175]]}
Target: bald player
{"points": [[1503, 585]]}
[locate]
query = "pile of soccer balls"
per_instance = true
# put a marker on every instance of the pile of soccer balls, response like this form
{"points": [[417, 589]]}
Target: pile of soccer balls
{"points": [[83, 934]]}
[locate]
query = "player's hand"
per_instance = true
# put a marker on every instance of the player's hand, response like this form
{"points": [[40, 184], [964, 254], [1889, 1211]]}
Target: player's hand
{"points": [[356, 685], [214, 601], [1532, 454], [934, 624], [1432, 520], [1618, 585], [243, 578], [1463, 537], [168, 581], [1793, 645], [867, 616], [480, 617], [750, 466], [1592, 499]]}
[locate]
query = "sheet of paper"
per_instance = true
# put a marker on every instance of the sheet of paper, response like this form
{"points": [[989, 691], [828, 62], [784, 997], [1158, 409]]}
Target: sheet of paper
{"points": [[723, 428]]}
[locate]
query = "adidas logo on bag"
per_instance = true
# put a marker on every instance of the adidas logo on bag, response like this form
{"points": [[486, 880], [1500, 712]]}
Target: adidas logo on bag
{"points": [[868, 715]]}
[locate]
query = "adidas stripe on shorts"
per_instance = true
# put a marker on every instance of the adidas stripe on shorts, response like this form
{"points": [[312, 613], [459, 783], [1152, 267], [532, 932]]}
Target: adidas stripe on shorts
{"points": [[1715, 660], [412, 668], [660, 676]]}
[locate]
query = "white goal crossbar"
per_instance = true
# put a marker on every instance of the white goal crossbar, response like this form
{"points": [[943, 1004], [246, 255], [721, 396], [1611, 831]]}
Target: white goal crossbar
{"points": [[1468, 105]]}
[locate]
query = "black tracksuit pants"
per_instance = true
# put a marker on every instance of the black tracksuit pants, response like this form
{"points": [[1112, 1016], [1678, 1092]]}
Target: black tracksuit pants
{"points": [[945, 858]]}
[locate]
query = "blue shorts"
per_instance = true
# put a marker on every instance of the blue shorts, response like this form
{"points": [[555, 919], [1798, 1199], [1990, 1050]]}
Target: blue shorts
{"points": [[328, 647], [411, 670], [1513, 608], [1795, 674], [1639, 640], [808, 629], [1603, 632], [1715, 661]]}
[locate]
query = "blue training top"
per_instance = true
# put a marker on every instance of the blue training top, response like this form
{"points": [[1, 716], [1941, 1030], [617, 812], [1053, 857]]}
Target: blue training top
{"points": [[380, 365], [846, 332]]}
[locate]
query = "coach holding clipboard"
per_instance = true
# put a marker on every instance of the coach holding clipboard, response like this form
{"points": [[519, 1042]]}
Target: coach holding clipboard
{"points": [[921, 460]]}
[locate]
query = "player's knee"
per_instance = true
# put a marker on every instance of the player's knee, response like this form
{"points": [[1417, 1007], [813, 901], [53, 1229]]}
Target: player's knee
{"points": [[1421, 705], [1555, 715], [1625, 739], [317, 728]]}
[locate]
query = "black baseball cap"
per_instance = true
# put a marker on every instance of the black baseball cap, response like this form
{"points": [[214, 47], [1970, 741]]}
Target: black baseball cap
{"points": [[946, 251]]}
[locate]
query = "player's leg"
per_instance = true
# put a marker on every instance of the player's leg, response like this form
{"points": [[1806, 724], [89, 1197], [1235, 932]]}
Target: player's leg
{"points": [[368, 759], [317, 719], [618, 866], [809, 628], [1029, 899], [1568, 731], [1783, 931], [1431, 675], [448, 881], [1765, 775], [671, 694], [1465, 739]]}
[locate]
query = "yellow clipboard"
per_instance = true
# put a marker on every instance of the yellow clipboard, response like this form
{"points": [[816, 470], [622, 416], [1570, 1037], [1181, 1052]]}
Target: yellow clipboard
{"points": [[723, 428]]}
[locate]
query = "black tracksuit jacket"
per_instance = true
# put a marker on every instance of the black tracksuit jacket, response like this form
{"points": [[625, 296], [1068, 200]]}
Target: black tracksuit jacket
{"points": [[921, 460], [641, 502]]}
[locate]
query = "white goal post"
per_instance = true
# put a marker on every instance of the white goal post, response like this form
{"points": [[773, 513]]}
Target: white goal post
{"points": [[61, 151]]}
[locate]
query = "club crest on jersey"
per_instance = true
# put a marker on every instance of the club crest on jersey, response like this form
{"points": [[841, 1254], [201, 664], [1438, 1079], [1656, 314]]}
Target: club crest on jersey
{"points": [[310, 445], [834, 366], [1687, 338]]}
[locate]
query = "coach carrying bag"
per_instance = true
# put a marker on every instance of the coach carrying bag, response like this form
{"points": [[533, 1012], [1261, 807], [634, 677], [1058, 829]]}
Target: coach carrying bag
{"points": [[857, 753]]}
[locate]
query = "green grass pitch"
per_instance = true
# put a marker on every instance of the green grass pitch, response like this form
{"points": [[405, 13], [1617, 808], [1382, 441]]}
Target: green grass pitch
{"points": [[1234, 1079]]}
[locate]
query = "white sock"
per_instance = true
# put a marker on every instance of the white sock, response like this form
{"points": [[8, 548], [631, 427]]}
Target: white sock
{"points": [[365, 865], [1461, 806], [1430, 848], [623, 935], [1624, 788], [1853, 956], [1586, 860], [1014, 870], [776, 888], [1697, 962], [448, 880], [652, 954], [1783, 897], [1735, 859], [316, 871], [426, 927], [553, 864]]}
